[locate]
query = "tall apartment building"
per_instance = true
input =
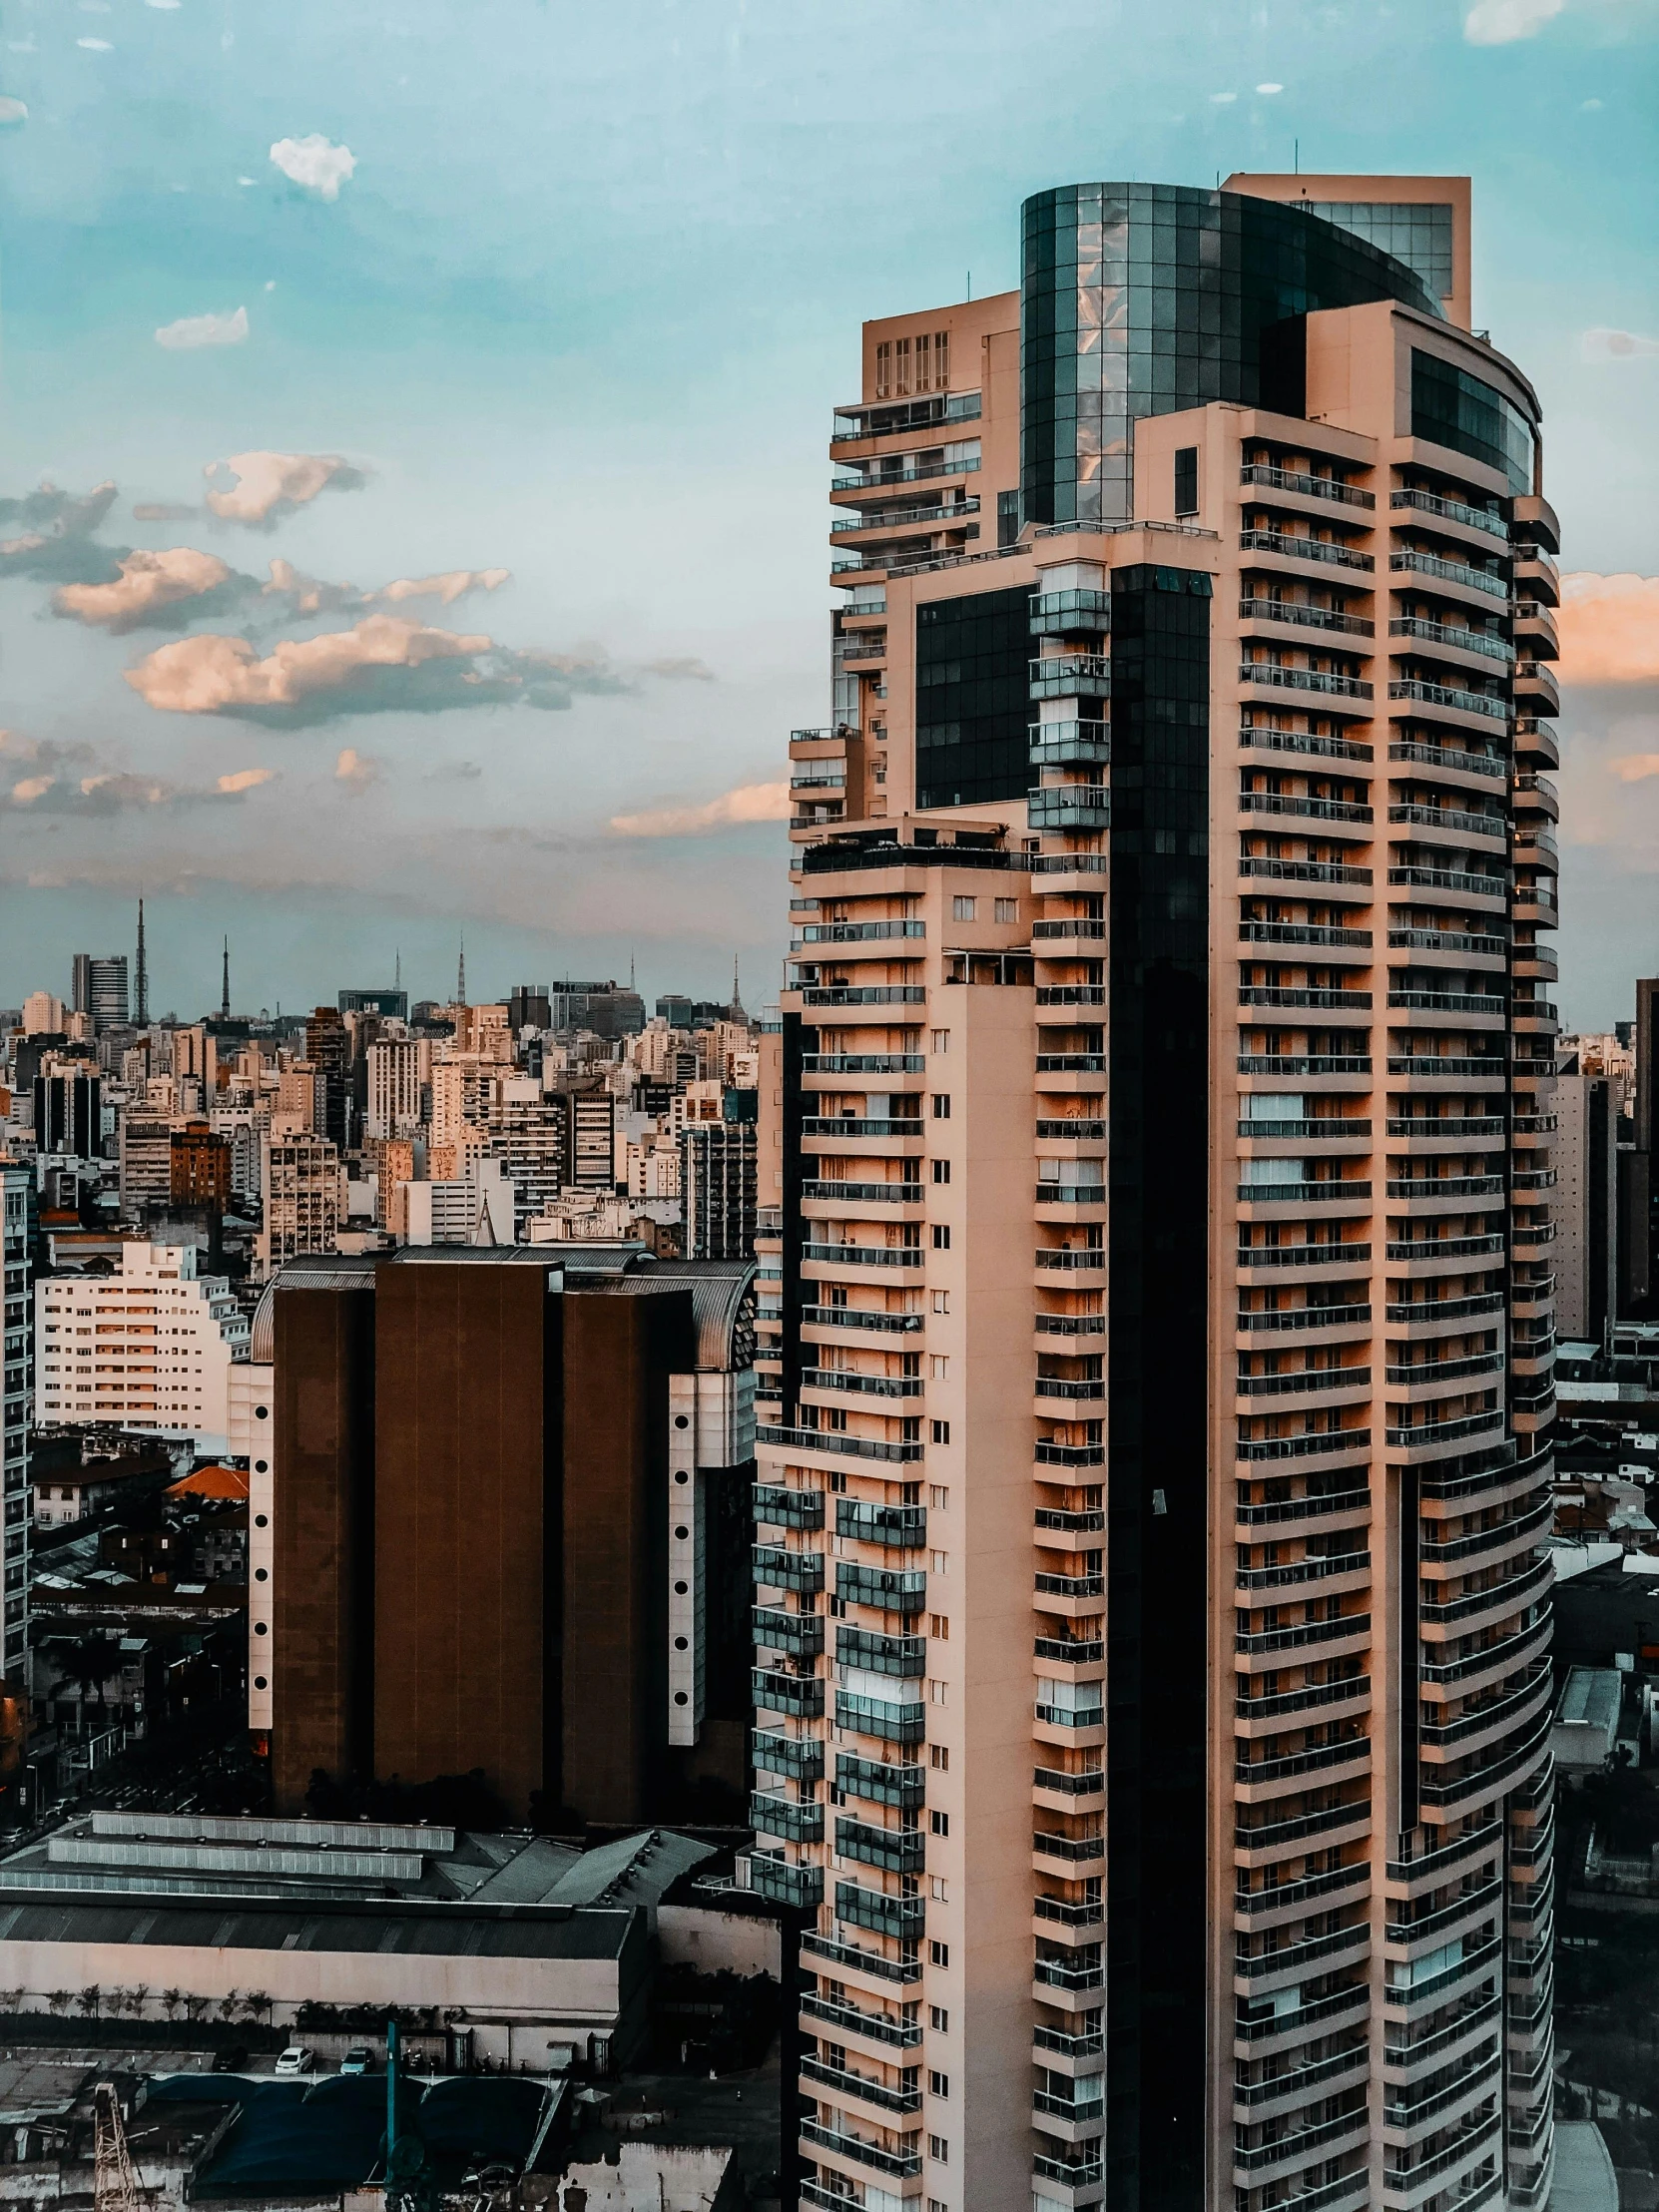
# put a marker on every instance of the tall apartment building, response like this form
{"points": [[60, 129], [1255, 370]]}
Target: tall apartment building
{"points": [[329, 1049], [1153, 1625], [148, 1350], [202, 1159], [69, 1113], [508, 1511], [16, 1361], [399, 1079], [145, 1143], [302, 1188]]}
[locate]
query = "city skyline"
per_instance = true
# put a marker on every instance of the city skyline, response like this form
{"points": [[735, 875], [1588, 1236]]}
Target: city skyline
{"points": [[440, 384]]}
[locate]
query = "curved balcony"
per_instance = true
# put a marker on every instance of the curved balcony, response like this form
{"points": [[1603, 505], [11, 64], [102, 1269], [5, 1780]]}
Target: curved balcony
{"points": [[1456, 579], [1299, 484], [1450, 761], [1536, 690], [1452, 882], [1484, 522], [1317, 553], [1449, 702], [1267, 738], [1337, 692], [1291, 615], [1460, 641]]}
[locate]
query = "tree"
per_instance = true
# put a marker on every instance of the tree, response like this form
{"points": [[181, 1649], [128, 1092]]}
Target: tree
{"points": [[171, 2001], [90, 1664], [137, 1998], [195, 2006], [229, 2005], [255, 2004], [90, 2000], [56, 2000]]}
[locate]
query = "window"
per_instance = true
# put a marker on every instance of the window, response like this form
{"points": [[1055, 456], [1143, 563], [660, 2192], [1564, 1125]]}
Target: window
{"points": [[942, 1099], [937, 1692], [884, 369], [941, 1236], [941, 1302], [942, 1432], [941, 359], [941, 1171], [1007, 910], [938, 1955], [938, 2019], [939, 1627], [938, 1890], [938, 1758], [939, 1824], [938, 2148], [925, 365], [963, 909], [939, 1497], [1186, 480], [939, 1563], [939, 1366], [939, 2084], [901, 366]]}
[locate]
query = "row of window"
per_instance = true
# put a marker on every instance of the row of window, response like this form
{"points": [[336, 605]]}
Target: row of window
{"points": [[917, 364]]}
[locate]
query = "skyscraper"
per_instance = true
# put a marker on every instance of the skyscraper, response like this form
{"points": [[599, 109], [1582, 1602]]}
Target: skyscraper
{"points": [[1159, 1405], [99, 988]]}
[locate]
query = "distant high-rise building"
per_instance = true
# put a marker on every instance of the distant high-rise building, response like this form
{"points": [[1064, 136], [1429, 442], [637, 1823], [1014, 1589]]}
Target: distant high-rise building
{"points": [[301, 1182], [200, 1167], [329, 1048], [100, 989], [393, 1001], [609, 1010], [399, 1085], [69, 1114], [145, 1152], [529, 1006], [16, 1363], [43, 1015], [1153, 1608], [717, 1189], [511, 1539]]}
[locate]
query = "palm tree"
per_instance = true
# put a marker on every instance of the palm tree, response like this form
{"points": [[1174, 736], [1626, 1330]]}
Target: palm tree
{"points": [[57, 2000], [255, 2004], [194, 2008], [90, 1663], [90, 2000], [229, 2004], [137, 1999], [171, 2001]]}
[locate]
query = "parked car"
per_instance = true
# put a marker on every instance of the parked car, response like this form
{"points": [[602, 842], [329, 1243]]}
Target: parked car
{"points": [[299, 2058], [357, 2060]]}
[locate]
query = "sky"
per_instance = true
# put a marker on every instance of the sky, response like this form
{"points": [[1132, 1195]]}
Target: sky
{"points": [[414, 422]]}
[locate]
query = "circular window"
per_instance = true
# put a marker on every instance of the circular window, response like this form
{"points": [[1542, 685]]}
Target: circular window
{"points": [[262, 1520], [680, 1588], [261, 1413], [259, 1628], [679, 1697], [682, 1533], [260, 1574], [682, 1476], [680, 1643], [260, 1682], [681, 1420], [261, 1466]]}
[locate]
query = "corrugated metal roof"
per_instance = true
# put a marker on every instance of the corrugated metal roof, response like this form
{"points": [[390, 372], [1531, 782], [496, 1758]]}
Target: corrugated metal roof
{"points": [[446, 1930]]}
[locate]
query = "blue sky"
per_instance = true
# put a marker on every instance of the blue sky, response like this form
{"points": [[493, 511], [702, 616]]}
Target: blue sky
{"points": [[570, 292]]}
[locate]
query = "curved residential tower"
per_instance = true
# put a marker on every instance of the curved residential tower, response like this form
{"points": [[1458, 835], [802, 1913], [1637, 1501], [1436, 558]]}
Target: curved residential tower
{"points": [[1151, 1604]]}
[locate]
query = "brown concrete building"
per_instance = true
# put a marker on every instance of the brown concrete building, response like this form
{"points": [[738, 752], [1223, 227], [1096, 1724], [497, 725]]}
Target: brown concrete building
{"points": [[508, 1497], [1154, 1450], [200, 1168]]}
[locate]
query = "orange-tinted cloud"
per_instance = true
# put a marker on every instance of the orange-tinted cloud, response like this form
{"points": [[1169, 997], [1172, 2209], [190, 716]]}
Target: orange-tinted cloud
{"points": [[1609, 629]]}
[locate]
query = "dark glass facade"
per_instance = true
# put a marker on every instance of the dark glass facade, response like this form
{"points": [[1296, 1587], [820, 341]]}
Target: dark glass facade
{"points": [[1157, 1614], [1415, 231], [1140, 300], [973, 701], [1451, 408]]}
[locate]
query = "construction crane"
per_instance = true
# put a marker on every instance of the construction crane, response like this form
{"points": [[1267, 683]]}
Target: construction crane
{"points": [[115, 2183]]}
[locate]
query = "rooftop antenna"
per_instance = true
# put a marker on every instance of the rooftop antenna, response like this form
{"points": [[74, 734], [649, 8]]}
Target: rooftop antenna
{"points": [[141, 1003], [225, 985], [397, 969], [1295, 156], [629, 967], [461, 973]]}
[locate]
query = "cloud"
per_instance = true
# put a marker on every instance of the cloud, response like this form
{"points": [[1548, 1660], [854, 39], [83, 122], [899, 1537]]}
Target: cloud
{"points": [[193, 331], [748, 803], [356, 771], [1270, 89], [162, 511], [1223, 99], [1616, 346], [1634, 768], [1501, 22], [314, 163], [271, 484], [382, 664], [57, 544], [72, 780], [166, 4], [677, 666], [151, 588], [1609, 629], [449, 587], [96, 45], [13, 111]]}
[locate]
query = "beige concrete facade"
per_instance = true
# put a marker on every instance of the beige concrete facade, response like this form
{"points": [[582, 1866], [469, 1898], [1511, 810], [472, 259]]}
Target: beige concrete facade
{"points": [[941, 1495]]}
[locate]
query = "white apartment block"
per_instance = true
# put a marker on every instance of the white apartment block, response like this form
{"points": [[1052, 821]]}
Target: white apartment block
{"points": [[399, 1074], [148, 1350], [14, 1414], [305, 1193]]}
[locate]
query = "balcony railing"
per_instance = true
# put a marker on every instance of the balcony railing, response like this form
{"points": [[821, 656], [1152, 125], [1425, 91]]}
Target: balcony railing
{"points": [[1449, 572], [1451, 696], [1454, 510], [1304, 485], [1305, 618], [1303, 550]]}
